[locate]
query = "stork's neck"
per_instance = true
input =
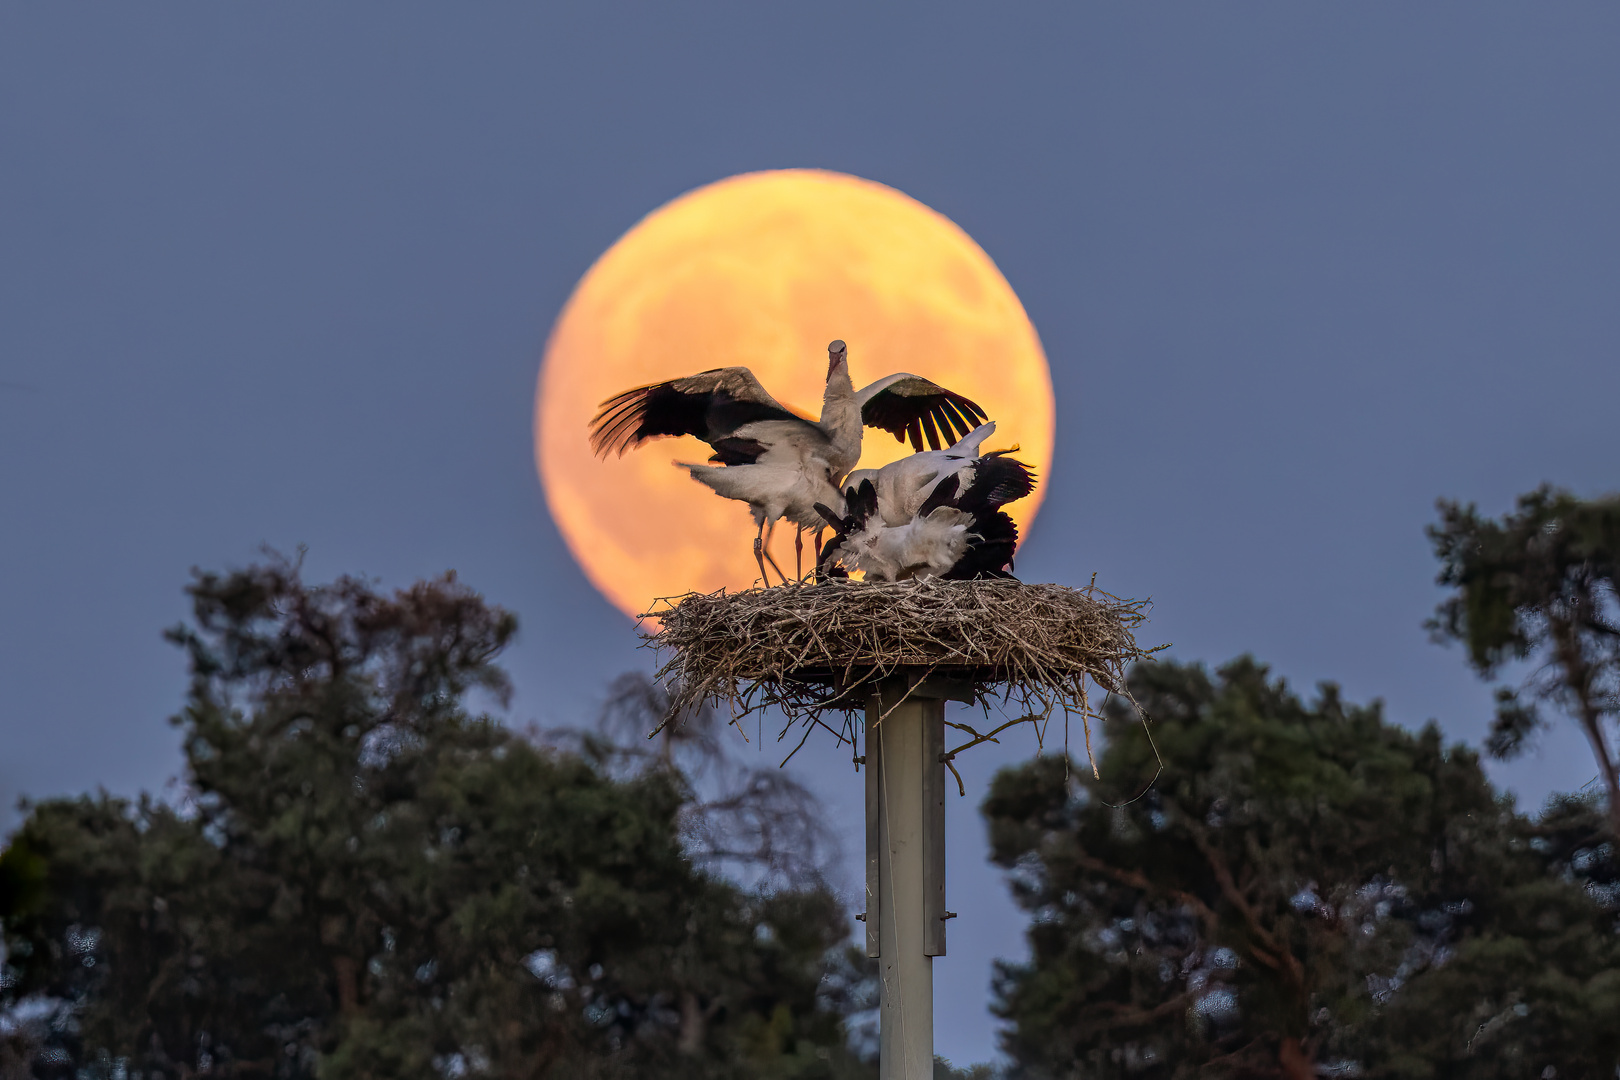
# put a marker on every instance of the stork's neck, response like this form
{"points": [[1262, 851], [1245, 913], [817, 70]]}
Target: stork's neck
{"points": [[841, 418]]}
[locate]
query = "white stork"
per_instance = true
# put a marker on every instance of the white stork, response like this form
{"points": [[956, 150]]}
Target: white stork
{"points": [[903, 486], [776, 461], [953, 527]]}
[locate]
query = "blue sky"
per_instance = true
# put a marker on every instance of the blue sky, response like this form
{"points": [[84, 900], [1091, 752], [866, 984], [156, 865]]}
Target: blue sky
{"points": [[282, 275]]}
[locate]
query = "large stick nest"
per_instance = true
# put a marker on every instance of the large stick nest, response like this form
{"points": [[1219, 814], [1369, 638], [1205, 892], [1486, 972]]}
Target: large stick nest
{"points": [[813, 649]]}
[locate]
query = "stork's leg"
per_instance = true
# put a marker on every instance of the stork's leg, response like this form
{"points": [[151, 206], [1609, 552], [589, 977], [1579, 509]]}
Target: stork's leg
{"points": [[759, 557], [798, 554], [769, 532]]}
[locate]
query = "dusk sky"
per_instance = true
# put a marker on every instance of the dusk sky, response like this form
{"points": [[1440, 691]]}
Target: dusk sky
{"points": [[282, 275]]}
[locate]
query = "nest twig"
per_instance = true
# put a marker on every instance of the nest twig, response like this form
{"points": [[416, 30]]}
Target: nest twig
{"points": [[819, 649]]}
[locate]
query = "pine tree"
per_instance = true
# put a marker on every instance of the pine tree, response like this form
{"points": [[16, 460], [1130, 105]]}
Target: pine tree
{"points": [[1305, 890], [1540, 585], [369, 880]]}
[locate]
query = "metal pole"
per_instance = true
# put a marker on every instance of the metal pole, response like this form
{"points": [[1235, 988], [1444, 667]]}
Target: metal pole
{"points": [[905, 887]]}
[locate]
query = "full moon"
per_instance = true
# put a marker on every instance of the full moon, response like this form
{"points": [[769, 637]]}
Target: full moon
{"points": [[762, 270]]}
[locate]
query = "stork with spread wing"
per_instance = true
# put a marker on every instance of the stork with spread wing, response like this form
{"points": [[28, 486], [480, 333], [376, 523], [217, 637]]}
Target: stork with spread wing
{"points": [[767, 456]]}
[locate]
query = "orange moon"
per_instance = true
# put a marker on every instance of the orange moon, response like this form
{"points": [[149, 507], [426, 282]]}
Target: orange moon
{"points": [[762, 270]]}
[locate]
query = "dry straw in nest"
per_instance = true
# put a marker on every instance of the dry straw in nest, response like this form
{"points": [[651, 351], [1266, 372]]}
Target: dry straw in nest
{"points": [[811, 650]]}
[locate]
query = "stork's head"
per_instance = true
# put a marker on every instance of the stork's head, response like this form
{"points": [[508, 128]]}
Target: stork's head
{"points": [[836, 354]]}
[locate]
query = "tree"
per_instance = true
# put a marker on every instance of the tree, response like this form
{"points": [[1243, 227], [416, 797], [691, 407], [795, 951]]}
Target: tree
{"points": [[1539, 585], [753, 823], [368, 880], [1306, 890]]}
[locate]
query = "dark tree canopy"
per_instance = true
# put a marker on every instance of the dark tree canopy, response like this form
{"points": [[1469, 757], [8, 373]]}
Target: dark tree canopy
{"points": [[1539, 585], [368, 880], [1305, 891]]}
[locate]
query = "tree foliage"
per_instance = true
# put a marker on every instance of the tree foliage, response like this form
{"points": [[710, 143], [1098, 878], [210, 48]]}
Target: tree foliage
{"points": [[368, 879], [1305, 891], [1539, 585]]}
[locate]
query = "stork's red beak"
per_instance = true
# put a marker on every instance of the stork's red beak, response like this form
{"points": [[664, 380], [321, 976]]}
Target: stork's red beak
{"points": [[836, 354]]}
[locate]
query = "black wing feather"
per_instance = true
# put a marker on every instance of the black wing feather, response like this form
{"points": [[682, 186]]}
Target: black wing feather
{"points": [[931, 431], [699, 405], [862, 504], [727, 414], [944, 494], [914, 406], [831, 519], [960, 425], [997, 480]]}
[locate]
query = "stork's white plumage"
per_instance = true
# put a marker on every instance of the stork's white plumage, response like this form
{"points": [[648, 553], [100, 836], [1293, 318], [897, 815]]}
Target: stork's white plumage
{"points": [[903, 486], [956, 530], [924, 547], [772, 492], [745, 426]]}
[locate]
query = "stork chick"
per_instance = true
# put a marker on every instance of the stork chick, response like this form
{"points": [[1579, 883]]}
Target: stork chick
{"points": [[928, 545], [958, 517]]}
